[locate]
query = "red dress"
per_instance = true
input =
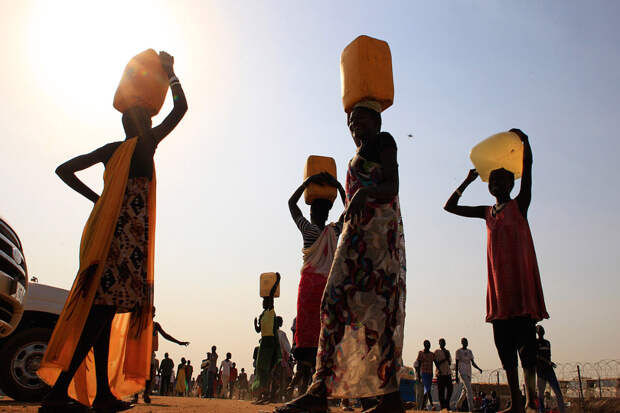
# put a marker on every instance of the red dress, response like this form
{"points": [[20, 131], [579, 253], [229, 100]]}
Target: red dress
{"points": [[514, 288]]}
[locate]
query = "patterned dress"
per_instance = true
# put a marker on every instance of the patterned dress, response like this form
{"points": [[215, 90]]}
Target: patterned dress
{"points": [[123, 282], [363, 306]]}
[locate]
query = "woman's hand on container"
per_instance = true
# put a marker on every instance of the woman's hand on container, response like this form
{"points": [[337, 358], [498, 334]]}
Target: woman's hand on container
{"points": [[472, 175], [167, 61], [356, 206], [315, 179], [520, 134], [329, 179]]}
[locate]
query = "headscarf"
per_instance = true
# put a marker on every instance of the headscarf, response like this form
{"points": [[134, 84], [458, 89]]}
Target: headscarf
{"points": [[369, 104]]}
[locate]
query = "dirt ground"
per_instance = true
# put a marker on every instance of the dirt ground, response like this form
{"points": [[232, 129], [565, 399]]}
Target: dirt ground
{"points": [[171, 405]]}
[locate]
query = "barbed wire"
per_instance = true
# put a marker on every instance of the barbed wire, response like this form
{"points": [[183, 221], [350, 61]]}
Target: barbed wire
{"points": [[598, 379]]}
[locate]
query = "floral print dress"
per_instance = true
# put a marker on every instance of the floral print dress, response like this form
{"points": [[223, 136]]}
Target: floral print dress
{"points": [[363, 305]]}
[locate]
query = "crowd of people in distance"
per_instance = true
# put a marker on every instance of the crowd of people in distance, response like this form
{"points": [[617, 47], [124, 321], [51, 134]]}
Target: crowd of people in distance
{"points": [[211, 382], [222, 382]]}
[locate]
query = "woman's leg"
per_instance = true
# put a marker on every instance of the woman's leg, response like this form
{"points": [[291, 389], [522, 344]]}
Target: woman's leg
{"points": [[90, 334], [506, 342], [526, 343], [102, 350]]}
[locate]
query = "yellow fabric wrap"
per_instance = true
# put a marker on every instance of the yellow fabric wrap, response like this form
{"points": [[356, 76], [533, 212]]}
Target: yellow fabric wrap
{"points": [[129, 364], [266, 323]]}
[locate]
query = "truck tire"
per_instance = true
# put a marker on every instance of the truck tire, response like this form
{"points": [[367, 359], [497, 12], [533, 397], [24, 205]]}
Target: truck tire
{"points": [[19, 361]]}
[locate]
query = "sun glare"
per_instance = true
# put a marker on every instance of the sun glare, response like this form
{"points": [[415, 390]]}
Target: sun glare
{"points": [[79, 49]]}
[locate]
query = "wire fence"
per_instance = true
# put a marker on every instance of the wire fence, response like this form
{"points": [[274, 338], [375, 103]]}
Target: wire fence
{"points": [[581, 380]]}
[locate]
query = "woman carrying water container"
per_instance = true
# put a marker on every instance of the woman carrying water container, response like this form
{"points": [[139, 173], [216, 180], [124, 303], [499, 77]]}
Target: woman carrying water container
{"points": [[320, 242], [515, 301], [363, 306], [109, 308]]}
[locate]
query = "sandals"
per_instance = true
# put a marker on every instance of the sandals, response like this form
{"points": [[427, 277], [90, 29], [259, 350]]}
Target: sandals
{"points": [[304, 404]]}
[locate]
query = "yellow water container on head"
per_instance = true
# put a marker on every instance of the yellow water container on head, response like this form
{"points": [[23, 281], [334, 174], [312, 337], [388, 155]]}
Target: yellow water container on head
{"points": [[267, 280], [144, 83], [366, 73], [502, 150], [314, 165]]}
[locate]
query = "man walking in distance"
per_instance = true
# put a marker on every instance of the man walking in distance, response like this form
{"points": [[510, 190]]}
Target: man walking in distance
{"points": [[165, 369], [225, 375], [425, 373], [233, 379], [443, 361], [464, 361], [243, 384], [211, 373], [545, 372], [189, 371]]}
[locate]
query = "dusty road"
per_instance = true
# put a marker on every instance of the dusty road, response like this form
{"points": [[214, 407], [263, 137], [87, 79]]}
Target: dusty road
{"points": [[171, 405]]}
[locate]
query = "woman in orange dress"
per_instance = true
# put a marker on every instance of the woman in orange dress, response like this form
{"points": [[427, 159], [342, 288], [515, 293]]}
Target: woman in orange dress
{"points": [[109, 309]]}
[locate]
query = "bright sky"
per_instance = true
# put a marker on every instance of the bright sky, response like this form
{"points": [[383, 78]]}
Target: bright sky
{"points": [[263, 86]]}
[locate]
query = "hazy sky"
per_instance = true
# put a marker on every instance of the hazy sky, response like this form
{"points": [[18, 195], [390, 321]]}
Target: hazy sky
{"points": [[263, 85]]}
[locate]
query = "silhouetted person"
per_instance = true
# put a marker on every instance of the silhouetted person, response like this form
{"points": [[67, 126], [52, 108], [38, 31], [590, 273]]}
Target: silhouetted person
{"points": [[157, 330], [515, 299], [545, 372], [425, 360], [233, 379], [165, 369], [320, 242], [181, 382], [443, 361], [116, 278], [243, 384], [464, 360], [364, 297], [269, 349], [225, 373], [212, 373]]}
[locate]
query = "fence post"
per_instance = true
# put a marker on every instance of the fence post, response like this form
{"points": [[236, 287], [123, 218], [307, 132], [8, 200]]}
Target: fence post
{"points": [[600, 387], [580, 388], [498, 377]]}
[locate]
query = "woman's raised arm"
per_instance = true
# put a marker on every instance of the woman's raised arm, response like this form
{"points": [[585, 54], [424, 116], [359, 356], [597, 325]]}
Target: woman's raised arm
{"points": [[178, 96], [452, 205]]}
